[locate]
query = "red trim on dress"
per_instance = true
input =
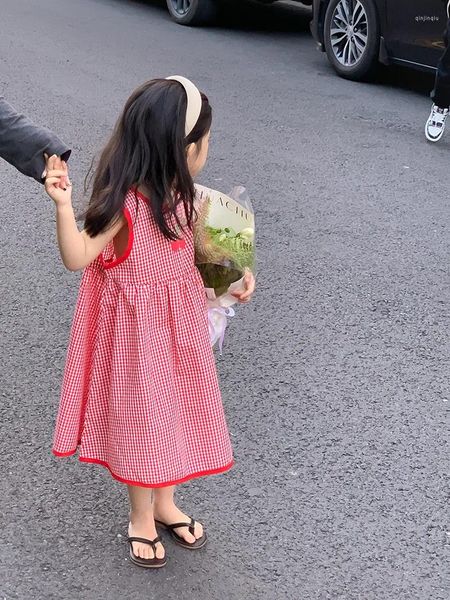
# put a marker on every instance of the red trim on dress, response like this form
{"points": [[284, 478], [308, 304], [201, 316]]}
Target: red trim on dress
{"points": [[61, 454], [179, 244], [126, 254], [96, 461]]}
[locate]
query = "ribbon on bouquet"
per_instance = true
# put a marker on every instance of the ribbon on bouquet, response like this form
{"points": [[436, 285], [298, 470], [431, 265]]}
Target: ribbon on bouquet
{"points": [[218, 321]]}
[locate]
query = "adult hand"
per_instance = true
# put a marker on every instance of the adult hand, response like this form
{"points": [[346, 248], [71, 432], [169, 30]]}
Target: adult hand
{"points": [[57, 183], [249, 287]]}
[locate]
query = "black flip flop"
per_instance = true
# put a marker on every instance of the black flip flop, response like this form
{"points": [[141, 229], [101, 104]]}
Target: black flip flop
{"points": [[180, 540], [147, 563]]}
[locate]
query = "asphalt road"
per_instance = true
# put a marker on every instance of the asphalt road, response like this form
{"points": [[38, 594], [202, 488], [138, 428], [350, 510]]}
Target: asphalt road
{"points": [[336, 379]]}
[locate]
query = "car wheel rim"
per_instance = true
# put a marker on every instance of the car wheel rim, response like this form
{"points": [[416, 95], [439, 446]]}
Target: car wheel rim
{"points": [[349, 32], [181, 7]]}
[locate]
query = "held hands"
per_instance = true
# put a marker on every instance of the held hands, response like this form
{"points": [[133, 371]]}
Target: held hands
{"points": [[57, 183], [249, 285]]}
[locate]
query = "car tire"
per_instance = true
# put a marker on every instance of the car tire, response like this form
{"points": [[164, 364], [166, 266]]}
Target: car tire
{"points": [[352, 49], [192, 12]]}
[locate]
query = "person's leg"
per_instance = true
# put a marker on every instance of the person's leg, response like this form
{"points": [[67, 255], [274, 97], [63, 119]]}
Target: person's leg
{"points": [[441, 92], [142, 522], [165, 510], [435, 125]]}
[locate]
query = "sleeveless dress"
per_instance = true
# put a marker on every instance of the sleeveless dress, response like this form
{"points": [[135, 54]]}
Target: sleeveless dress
{"points": [[140, 393]]}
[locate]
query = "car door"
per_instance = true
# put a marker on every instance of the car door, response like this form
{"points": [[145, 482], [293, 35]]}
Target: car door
{"points": [[415, 29]]}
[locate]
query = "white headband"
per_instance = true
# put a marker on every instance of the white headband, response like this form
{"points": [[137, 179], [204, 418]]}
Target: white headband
{"points": [[194, 102]]}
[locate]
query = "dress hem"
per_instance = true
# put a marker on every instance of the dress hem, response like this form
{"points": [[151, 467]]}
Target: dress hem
{"points": [[103, 463]]}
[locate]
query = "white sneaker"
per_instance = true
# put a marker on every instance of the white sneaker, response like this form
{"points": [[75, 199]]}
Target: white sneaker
{"points": [[434, 129]]}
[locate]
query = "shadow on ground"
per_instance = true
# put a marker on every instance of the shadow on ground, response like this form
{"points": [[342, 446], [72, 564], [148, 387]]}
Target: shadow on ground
{"points": [[248, 15], [418, 82], [289, 18]]}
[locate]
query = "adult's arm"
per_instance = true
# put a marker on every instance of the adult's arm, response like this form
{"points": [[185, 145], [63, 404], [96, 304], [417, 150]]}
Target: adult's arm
{"points": [[23, 144]]}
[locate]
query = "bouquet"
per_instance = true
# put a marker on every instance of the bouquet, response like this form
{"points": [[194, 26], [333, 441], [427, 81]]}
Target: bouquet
{"points": [[224, 237]]}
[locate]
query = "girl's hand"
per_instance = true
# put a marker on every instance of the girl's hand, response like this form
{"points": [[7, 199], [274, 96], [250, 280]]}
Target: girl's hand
{"points": [[249, 285], [57, 184]]}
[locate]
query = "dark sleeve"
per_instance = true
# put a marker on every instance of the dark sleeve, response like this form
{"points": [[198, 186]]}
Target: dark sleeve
{"points": [[23, 144]]}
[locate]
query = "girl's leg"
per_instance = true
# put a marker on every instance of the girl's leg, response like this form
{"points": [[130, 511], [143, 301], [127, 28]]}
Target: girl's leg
{"points": [[165, 510], [142, 522]]}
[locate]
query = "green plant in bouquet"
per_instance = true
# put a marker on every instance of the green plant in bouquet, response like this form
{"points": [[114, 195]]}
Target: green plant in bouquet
{"points": [[238, 245], [222, 253]]}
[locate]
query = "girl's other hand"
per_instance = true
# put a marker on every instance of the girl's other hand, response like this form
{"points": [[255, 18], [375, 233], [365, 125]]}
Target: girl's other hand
{"points": [[57, 183], [249, 288]]}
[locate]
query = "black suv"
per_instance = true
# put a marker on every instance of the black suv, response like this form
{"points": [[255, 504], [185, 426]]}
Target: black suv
{"points": [[199, 12], [356, 34]]}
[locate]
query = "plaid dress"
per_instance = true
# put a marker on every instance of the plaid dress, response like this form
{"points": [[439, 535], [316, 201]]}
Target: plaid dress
{"points": [[140, 394]]}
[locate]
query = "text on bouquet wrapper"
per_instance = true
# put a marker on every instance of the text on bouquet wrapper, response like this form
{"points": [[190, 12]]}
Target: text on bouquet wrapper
{"points": [[236, 209]]}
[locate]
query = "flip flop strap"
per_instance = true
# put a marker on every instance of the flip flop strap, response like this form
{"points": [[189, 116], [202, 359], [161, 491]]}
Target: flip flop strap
{"points": [[151, 543], [190, 525]]}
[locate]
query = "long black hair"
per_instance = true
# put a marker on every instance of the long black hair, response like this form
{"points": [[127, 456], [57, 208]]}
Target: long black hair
{"points": [[148, 148]]}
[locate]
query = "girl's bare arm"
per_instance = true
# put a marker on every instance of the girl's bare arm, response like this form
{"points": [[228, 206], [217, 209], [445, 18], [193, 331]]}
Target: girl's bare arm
{"points": [[76, 247]]}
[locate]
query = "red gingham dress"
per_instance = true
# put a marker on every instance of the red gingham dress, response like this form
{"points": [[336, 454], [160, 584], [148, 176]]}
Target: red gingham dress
{"points": [[140, 394]]}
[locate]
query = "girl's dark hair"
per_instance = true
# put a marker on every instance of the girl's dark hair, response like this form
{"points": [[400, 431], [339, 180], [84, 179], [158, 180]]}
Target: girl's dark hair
{"points": [[148, 148]]}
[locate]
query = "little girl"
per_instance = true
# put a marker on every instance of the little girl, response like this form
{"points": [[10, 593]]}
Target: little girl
{"points": [[140, 394]]}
